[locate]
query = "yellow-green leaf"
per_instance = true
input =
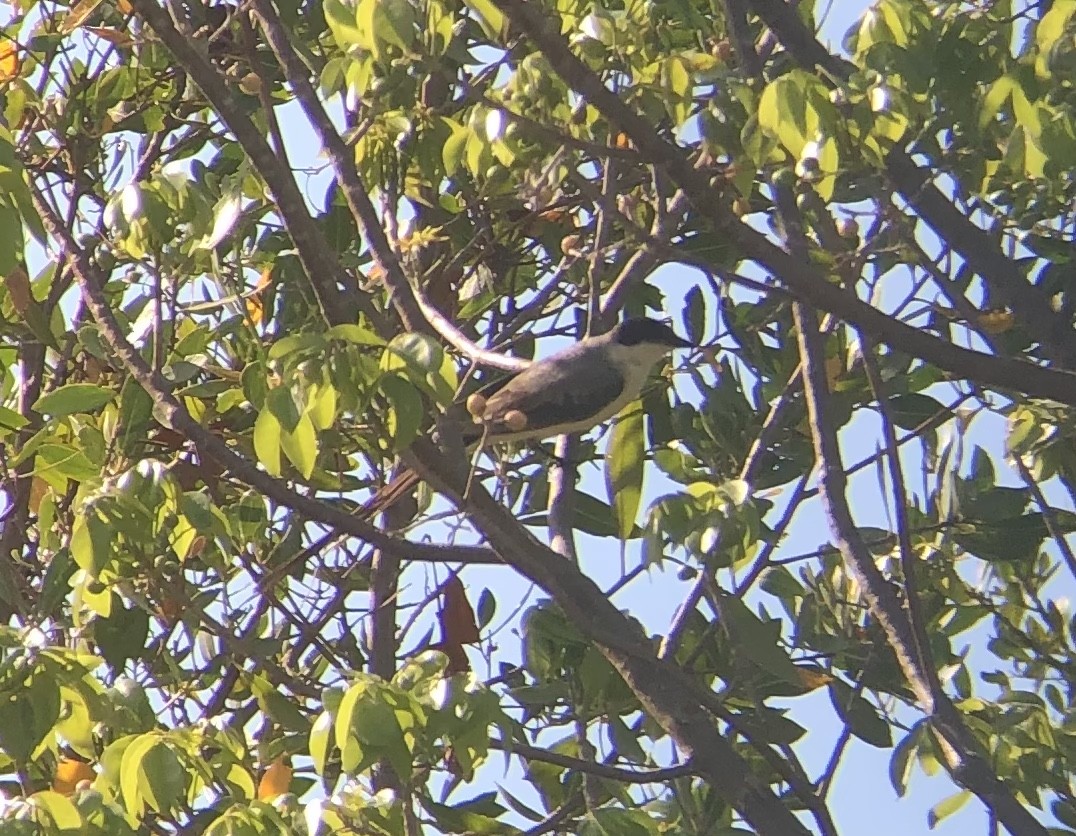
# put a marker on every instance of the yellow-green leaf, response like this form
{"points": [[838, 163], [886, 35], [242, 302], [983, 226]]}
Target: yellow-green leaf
{"points": [[301, 446], [267, 432], [489, 17], [624, 466], [322, 408]]}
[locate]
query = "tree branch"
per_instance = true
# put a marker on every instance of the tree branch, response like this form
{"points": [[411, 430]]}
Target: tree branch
{"points": [[347, 177], [802, 278], [173, 414], [670, 695], [599, 770], [959, 747], [977, 247], [337, 294]]}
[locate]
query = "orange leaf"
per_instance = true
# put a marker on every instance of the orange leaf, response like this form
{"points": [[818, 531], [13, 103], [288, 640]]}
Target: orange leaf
{"points": [[38, 489], [69, 773], [169, 609], [458, 625], [557, 215], [115, 37], [78, 14], [996, 321], [812, 678], [255, 302], [276, 780], [18, 287], [9, 60]]}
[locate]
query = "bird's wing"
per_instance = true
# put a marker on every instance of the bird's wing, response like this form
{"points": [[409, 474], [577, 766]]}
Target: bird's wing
{"points": [[547, 400]]}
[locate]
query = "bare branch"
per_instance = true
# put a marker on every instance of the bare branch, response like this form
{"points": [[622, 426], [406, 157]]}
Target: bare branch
{"points": [[336, 291], [977, 247], [963, 756]]}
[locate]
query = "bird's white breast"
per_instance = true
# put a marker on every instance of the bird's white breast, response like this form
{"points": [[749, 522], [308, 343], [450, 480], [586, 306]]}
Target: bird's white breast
{"points": [[635, 364]]}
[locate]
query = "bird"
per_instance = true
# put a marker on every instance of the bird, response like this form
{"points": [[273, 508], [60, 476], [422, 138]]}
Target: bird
{"points": [[571, 391]]}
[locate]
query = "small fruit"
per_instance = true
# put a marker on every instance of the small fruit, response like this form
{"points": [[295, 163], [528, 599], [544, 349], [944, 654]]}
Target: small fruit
{"points": [[515, 420], [570, 245], [251, 84], [848, 229], [722, 50], [476, 406]]}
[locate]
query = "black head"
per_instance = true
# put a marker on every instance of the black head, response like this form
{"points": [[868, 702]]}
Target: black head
{"points": [[641, 329]]}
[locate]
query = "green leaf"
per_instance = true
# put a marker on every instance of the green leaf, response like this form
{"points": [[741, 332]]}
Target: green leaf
{"points": [[58, 462], [278, 706], [17, 738], [915, 411], [280, 401], [135, 415], [368, 726], [613, 821], [301, 446], [489, 17], [772, 726], [321, 406], [413, 354], [1050, 30], [625, 467], [91, 541], [255, 387], [60, 809], [394, 22], [590, 515], [162, 778], [267, 442], [354, 334], [946, 808], [860, 716], [342, 22], [1000, 92], [903, 759], [13, 182], [695, 315], [297, 343], [122, 635], [72, 398], [321, 741], [486, 607], [756, 640], [406, 413], [478, 816], [455, 149], [226, 215], [130, 772], [11, 421], [1016, 538], [788, 110]]}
